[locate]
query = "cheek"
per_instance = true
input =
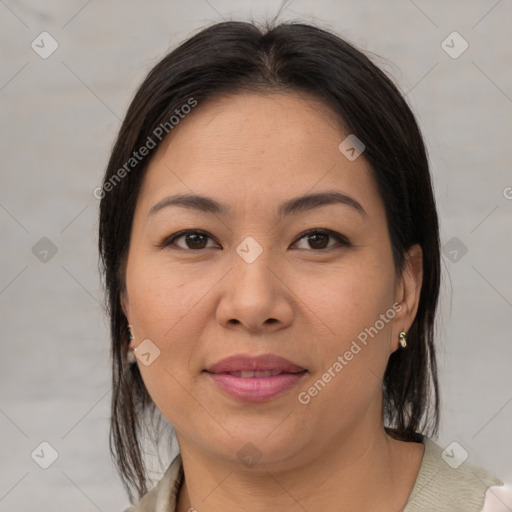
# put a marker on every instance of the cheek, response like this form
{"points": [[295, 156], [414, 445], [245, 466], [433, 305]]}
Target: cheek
{"points": [[163, 308], [162, 297], [354, 308], [348, 299]]}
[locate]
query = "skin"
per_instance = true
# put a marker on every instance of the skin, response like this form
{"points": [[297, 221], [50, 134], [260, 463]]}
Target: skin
{"points": [[253, 151]]}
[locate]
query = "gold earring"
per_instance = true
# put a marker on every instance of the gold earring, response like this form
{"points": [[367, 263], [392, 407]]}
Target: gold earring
{"points": [[402, 338]]}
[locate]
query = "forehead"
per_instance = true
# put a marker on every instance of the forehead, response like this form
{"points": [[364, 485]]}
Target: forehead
{"points": [[248, 145], [248, 123]]}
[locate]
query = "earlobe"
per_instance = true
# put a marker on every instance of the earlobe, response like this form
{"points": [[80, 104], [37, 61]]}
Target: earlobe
{"points": [[408, 290]]}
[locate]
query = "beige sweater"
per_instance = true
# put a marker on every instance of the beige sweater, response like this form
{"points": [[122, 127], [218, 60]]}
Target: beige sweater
{"points": [[438, 486]]}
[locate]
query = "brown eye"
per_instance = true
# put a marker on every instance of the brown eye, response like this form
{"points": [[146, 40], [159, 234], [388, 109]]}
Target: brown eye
{"points": [[191, 239], [320, 240], [195, 241]]}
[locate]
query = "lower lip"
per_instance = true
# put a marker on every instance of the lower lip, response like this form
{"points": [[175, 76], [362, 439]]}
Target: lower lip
{"points": [[256, 389]]}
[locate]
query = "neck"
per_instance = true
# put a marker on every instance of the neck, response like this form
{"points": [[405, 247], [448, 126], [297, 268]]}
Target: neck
{"points": [[368, 470]]}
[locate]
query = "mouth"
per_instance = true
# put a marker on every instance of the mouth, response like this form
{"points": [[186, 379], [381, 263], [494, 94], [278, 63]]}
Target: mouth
{"points": [[252, 374], [255, 379], [255, 366]]}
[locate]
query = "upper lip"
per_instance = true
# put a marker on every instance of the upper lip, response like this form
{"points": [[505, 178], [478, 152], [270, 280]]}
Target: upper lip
{"points": [[245, 362]]}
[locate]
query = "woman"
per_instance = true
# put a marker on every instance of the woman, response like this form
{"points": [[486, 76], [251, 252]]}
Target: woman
{"points": [[270, 246]]}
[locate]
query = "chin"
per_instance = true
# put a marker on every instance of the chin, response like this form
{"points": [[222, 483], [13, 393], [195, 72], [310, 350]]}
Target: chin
{"points": [[256, 447]]}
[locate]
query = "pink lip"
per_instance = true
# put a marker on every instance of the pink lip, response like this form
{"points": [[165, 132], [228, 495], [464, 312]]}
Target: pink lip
{"points": [[263, 362], [255, 389]]}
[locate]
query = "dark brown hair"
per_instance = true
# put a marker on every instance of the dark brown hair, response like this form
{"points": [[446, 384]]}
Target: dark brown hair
{"points": [[232, 57]]}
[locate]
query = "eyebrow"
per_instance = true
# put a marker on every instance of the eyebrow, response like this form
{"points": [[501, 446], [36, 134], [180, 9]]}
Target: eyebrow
{"points": [[296, 205]]}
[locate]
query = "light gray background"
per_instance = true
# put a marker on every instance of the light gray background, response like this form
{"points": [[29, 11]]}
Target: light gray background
{"points": [[59, 119]]}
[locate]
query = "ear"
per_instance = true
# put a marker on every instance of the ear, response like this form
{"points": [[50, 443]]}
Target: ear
{"points": [[125, 305], [407, 293]]}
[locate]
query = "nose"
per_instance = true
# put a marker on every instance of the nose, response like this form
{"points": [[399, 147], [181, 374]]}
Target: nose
{"points": [[255, 297]]}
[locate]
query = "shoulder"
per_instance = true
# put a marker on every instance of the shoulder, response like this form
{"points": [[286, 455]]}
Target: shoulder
{"points": [[447, 483], [162, 498], [444, 484]]}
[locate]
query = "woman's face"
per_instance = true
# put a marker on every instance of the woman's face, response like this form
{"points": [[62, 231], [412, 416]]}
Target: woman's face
{"points": [[252, 283]]}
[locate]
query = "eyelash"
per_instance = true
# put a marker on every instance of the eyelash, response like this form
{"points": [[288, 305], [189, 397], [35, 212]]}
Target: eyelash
{"points": [[342, 240]]}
